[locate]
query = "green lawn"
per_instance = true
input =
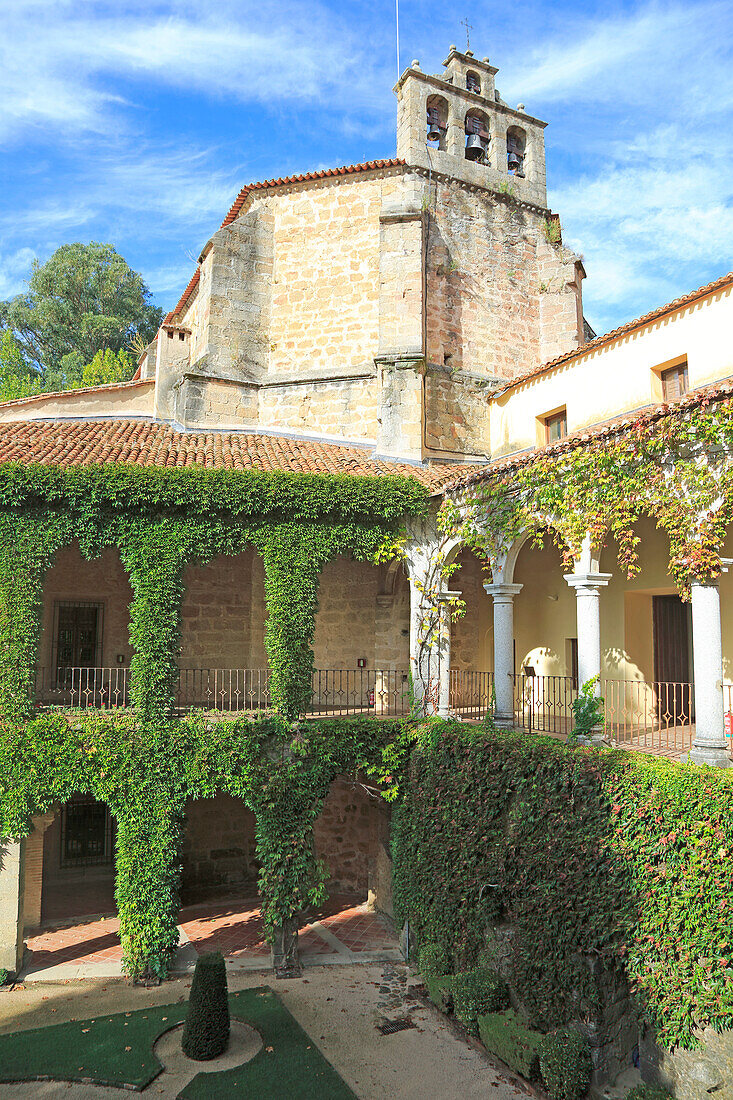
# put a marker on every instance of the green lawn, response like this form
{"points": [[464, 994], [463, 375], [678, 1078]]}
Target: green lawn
{"points": [[118, 1050]]}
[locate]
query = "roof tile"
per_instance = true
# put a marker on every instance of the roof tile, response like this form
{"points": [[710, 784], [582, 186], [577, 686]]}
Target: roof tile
{"points": [[151, 443]]}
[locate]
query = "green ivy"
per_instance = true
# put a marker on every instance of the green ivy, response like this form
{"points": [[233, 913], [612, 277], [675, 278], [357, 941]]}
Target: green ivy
{"points": [[599, 861], [161, 520], [146, 774], [676, 468]]}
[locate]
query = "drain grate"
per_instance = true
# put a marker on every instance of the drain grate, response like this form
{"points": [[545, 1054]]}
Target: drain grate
{"points": [[390, 1026]]}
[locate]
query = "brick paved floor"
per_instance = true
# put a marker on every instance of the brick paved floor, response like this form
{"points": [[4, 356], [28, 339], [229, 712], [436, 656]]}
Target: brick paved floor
{"points": [[233, 927]]}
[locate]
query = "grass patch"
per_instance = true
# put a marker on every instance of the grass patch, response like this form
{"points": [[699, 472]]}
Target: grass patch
{"points": [[91, 1050], [118, 1050], [295, 1068]]}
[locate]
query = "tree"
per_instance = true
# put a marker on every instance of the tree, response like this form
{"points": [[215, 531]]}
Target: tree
{"points": [[83, 300], [17, 379]]}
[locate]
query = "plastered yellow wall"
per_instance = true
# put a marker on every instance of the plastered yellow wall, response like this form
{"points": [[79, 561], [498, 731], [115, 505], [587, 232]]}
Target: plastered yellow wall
{"points": [[619, 377]]}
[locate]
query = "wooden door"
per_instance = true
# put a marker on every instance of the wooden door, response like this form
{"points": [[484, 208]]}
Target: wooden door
{"points": [[77, 637], [672, 658]]}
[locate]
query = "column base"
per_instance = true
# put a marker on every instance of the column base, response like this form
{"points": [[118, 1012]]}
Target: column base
{"points": [[714, 757], [504, 721]]}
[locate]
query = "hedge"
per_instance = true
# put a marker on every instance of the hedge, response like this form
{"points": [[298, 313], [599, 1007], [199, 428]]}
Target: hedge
{"points": [[587, 855]]}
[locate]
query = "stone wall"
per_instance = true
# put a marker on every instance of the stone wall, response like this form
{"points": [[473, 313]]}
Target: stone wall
{"points": [[216, 614], [103, 580], [472, 635], [347, 835], [218, 848], [456, 419], [491, 278], [692, 1074], [325, 296]]}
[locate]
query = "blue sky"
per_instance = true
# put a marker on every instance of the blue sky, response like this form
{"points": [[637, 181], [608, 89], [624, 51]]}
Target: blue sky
{"points": [[137, 122]]}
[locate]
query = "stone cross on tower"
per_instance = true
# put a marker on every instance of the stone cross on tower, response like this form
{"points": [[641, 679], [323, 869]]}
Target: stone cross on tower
{"points": [[469, 27]]}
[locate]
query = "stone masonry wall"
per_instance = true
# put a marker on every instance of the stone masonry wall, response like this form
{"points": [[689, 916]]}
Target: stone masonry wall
{"points": [[457, 418], [103, 580], [216, 614], [325, 292], [487, 260], [472, 636]]}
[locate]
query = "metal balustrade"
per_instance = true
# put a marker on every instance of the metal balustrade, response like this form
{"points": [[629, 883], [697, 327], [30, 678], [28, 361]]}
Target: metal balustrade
{"points": [[83, 688], [657, 717], [543, 704], [471, 693]]}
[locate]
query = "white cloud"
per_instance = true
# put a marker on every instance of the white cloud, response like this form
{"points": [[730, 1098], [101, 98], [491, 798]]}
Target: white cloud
{"points": [[60, 64]]}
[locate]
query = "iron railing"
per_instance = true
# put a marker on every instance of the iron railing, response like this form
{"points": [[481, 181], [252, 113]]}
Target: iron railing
{"points": [[471, 693], [657, 717], [83, 688]]}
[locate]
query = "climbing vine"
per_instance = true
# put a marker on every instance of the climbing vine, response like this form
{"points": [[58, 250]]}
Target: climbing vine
{"points": [[162, 520], [147, 773], [678, 468]]}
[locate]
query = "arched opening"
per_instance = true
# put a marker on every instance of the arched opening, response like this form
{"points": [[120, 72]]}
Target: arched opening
{"points": [[478, 137], [473, 82], [84, 651], [472, 638], [437, 121], [516, 148]]}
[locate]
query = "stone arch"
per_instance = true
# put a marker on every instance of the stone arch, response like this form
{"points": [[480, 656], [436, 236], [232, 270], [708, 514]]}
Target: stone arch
{"points": [[473, 82], [516, 150], [478, 137], [437, 121]]}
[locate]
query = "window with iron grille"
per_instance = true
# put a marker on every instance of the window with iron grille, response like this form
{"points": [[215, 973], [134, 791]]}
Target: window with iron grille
{"points": [[77, 637], [87, 833]]}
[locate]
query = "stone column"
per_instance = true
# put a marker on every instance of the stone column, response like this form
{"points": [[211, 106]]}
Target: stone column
{"points": [[11, 905], [588, 598], [444, 601], [430, 638], [503, 597], [710, 744]]}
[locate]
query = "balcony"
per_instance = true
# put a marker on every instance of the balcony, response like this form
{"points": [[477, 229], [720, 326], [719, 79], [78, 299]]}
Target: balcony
{"points": [[651, 717]]}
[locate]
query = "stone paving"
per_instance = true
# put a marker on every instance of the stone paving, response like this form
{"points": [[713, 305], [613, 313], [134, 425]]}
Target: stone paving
{"points": [[342, 930]]}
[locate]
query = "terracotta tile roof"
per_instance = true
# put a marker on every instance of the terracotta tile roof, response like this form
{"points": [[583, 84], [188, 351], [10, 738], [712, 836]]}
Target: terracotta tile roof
{"points": [[150, 443], [630, 326], [327, 173], [134, 384], [705, 395]]}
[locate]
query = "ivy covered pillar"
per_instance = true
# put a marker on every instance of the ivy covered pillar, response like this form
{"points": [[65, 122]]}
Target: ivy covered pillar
{"points": [[27, 546], [503, 597], [710, 744]]}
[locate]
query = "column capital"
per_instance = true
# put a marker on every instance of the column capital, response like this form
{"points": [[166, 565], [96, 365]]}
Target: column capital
{"points": [[446, 596], [503, 593], [588, 582]]}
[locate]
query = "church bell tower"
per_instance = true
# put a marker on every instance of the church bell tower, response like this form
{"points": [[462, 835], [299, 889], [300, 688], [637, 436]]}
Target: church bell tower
{"points": [[456, 123]]}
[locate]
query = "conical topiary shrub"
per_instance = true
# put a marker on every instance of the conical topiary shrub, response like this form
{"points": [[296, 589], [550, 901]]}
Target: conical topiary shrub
{"points": [[206, 1030]]}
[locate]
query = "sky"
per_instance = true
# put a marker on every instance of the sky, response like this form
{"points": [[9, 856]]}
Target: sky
{"points": [[137, 122]]}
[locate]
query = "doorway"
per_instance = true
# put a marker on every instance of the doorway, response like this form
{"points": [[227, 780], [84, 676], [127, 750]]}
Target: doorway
{"points": [[672, 657]]}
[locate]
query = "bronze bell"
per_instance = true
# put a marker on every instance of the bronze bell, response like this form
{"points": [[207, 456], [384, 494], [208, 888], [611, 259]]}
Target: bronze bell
{"points": [[475, 147], [433, 124], [514, 161]]}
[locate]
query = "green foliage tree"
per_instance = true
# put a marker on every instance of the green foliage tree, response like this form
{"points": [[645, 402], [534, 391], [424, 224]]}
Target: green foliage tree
{"points": [[17, 379], [83, 300], [206, 1030]]}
